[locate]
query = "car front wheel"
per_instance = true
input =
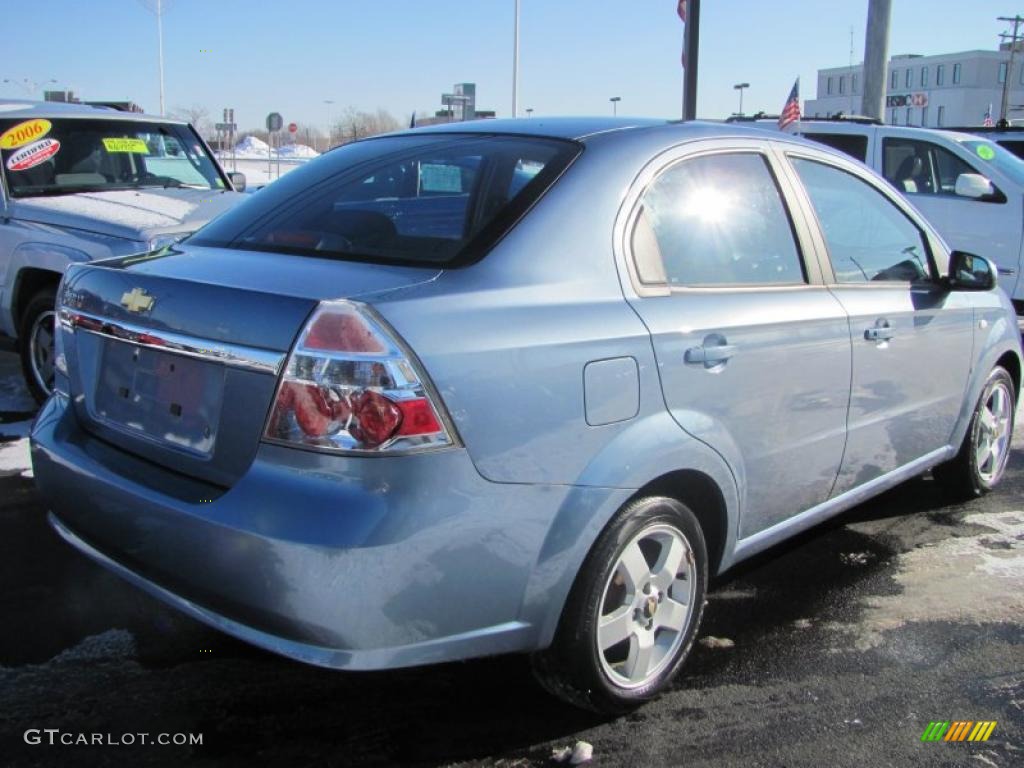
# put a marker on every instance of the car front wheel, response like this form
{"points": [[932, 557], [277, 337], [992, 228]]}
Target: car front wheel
{"points": [[980, 464], [633, 612], [35, 341]]}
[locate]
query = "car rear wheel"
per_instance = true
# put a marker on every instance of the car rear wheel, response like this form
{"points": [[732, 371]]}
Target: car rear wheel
{"points": [[35, 342], [980, 464], [633, 612]]}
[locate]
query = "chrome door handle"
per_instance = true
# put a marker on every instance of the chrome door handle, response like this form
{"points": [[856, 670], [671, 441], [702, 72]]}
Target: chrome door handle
{"points": [[881, 332], [710, 355]]}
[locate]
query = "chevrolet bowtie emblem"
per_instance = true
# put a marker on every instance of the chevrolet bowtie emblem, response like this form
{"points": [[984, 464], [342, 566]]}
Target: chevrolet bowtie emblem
{"points": [[136, 300]]}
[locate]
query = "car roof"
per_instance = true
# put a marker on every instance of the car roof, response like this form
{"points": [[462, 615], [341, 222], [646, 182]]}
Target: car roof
{"points": [[583, 128], [26, 110]]}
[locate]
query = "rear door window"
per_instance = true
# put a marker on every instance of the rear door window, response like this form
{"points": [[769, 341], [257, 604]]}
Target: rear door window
{"points": [[408, 199], [716, 220]]}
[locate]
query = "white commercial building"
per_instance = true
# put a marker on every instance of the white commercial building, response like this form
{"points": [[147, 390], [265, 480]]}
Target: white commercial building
{"points": [[952, 89]]}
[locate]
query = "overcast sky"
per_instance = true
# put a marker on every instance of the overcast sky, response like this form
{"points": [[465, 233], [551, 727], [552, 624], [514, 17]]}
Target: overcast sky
{"points": [[290, 56]]}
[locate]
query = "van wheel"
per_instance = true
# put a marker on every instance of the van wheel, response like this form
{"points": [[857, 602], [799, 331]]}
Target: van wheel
{"points": [[35, 343], [980, 464], [633, 612]]}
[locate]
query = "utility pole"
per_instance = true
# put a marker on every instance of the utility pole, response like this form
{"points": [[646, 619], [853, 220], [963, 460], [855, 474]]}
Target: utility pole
{"points": [[1017, 20], [692, 33], [160, 36], [876, 58]]}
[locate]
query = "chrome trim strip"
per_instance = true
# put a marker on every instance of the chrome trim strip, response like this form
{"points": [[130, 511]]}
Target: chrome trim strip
{"points": [[231, 355]]}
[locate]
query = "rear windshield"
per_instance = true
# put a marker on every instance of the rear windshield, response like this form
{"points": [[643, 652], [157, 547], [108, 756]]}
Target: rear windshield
{"points": [[427, 199], [63, 156]]}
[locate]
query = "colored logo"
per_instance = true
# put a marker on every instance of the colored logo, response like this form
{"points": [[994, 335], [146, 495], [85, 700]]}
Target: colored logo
{"points": [[985, 152], [33, 155], [137, 300], [958, 730], [22, 133]]}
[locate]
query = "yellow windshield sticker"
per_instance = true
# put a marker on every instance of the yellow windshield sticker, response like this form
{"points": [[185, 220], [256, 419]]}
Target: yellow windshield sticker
{"points": [[23, 133], [136, 146]]}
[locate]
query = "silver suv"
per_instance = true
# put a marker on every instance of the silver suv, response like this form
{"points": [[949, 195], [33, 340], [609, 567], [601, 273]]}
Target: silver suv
{"points": [[81, 183]]}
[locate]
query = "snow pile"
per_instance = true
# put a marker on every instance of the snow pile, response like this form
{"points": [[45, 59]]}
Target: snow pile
{"points": [[251, 148], [297, 151]]}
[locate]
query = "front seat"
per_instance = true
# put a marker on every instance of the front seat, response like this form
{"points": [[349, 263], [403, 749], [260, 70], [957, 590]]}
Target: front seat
{"points": [[911, 176]]}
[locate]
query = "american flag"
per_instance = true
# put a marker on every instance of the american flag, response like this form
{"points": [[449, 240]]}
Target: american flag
{"points": [[988, 118], [791, 112], [681, 10]]}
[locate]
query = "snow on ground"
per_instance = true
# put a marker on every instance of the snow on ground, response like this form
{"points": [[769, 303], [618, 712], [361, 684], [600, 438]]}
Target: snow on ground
{"points": [[251, 148], [256, 173], [298, 151]]}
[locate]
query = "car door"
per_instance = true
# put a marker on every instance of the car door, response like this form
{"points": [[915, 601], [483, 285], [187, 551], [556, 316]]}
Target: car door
{"points": [[927, 172], [753, 350], [912, 338]]}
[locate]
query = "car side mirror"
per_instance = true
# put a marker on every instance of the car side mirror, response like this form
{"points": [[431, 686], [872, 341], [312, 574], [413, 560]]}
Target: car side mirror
{"points": [[237, 181], [968, 272], [974, 185]]}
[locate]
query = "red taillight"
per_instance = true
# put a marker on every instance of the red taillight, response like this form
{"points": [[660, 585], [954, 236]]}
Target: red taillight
{"points": [[348, 385], [342, 332]]}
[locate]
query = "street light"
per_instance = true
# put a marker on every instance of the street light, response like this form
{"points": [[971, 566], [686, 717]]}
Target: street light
{"points": [[529, 111], [615, 104], [740, 87]]}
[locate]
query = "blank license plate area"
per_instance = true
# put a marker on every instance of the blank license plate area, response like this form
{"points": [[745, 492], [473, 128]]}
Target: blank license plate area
{"points": [[166, 398]]}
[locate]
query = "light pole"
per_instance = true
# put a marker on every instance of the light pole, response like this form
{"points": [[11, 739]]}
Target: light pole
{"points": [[529, 111], [741, 87], [615, 104], [328, 102], [515, 66]]}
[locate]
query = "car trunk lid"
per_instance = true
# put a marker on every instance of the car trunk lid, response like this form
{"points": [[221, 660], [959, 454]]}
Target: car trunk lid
{"points": [[175, 357]]}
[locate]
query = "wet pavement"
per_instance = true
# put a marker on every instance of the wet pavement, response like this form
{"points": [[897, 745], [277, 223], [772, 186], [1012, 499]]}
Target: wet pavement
{"points": [[846, 642]]}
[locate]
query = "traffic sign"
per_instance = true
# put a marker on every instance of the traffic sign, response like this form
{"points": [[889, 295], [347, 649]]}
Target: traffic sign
{"points": [[226, 126], [292, 127], [274, 121]]}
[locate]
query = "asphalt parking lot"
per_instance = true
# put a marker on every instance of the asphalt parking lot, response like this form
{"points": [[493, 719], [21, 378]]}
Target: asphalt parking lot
{"points": [[843, 645]]}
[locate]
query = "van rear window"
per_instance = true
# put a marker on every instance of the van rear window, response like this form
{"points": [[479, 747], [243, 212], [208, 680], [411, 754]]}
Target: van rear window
{"points": [[429, 199]]}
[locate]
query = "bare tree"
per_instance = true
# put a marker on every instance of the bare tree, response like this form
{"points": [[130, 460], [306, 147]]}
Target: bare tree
{"points": [[198, 115], [353, 124]]}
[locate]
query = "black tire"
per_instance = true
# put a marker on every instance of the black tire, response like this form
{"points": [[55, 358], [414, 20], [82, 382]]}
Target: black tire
{"points": [[39, 308], [961, 477], [574, 668]]}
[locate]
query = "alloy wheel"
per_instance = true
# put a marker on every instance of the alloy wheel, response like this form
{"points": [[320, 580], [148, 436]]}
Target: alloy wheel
{"points": [[41, 352], [995, 427], [647, 606]]}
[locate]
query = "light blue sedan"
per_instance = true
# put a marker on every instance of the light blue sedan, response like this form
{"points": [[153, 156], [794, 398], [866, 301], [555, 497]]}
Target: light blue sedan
{"points": [[516, 386]]}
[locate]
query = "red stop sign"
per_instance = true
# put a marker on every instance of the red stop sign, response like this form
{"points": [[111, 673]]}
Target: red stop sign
{"points": [[292, 127]]}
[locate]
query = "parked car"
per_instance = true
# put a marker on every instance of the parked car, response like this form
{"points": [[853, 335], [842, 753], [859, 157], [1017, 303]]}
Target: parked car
{"points": [[969, 187], [81, 183], [516, 386]]}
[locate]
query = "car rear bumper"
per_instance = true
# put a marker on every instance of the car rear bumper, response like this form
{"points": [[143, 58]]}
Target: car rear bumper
{"points": [[364, 563]]}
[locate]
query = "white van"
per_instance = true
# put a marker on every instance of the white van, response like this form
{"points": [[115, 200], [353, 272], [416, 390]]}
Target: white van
{"points": [[970, 188]]}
